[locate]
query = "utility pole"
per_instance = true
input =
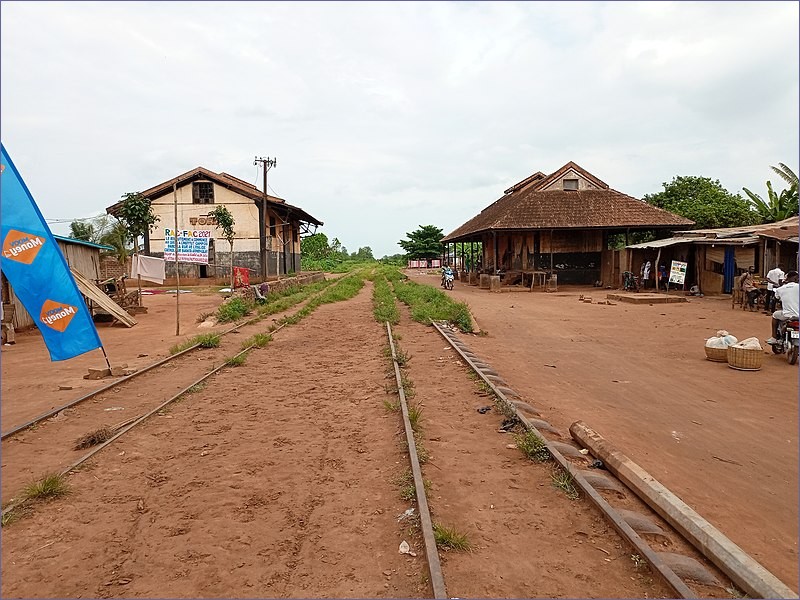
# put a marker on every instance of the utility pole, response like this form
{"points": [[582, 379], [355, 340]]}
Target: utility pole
{"points": [[266, 164]]}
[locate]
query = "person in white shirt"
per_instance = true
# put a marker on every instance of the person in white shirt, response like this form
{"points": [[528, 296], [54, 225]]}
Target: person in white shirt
{"points": [[773, 280], [789, 295]]}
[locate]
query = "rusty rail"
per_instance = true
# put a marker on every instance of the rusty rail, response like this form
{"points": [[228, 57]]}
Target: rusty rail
{"points": [[431, 551]]}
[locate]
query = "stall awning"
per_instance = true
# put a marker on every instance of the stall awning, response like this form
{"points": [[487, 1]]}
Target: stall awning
{"points": [[662, 243]]}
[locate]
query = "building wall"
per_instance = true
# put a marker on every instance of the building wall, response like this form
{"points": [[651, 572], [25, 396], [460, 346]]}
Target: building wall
{"points": [[246, 245], [245, 215]]}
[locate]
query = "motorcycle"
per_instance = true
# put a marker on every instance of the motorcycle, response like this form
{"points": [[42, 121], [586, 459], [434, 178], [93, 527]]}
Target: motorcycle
{"points": [[447, 280], [788, 340], [630, 282]]}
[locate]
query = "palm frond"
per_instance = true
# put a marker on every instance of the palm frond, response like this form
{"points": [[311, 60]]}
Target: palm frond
{"points": [[785, 173]]}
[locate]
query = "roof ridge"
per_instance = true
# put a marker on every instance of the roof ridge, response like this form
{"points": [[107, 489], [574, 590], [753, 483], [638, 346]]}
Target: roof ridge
{"points": [[575, 166]]}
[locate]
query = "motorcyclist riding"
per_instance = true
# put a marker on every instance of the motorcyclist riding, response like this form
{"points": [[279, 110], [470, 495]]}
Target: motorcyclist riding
{"points": [[789, 295], [447, 275]]}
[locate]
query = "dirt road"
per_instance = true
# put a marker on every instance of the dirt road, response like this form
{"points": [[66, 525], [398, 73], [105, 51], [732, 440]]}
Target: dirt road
{"points": [[725, 441]]}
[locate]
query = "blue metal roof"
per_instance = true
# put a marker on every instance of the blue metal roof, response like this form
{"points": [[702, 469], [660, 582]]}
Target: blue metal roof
{"points": [[70, 240]]}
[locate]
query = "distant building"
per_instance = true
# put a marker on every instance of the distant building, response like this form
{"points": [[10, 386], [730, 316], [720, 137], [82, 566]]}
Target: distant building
{"points": [[198, 191], [557, 224]]}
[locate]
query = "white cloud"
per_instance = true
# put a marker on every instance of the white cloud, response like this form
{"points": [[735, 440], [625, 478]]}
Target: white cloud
{"points": [[388, 115]]}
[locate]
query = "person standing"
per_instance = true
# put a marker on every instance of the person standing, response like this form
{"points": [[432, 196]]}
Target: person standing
{"points": [[774, 278], [645, 274]]}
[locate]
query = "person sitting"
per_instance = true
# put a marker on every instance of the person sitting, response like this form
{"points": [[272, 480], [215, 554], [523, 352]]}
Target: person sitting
{"points": [[747, 283], [789, 295]]}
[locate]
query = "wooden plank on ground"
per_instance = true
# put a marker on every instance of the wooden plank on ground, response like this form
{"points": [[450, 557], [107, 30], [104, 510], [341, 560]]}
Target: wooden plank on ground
{"points": [[91, 291]]}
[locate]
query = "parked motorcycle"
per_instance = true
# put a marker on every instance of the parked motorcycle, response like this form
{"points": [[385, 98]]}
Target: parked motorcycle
{"points": [[788, 340]]}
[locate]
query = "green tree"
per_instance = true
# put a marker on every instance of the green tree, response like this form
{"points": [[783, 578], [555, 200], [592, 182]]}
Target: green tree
{"points": [[424, 242], [136, 215], [82, 230], [225, 221], [116, 236], [704, 201], [365, 254], [777, 207], [315, 247]]}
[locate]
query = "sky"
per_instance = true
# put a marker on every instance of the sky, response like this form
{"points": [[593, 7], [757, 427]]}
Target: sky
{"points": [[385, 116]]}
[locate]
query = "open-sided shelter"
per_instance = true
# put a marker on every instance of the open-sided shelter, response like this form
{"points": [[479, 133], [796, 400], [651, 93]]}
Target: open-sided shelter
{"points": [[558, 223]]}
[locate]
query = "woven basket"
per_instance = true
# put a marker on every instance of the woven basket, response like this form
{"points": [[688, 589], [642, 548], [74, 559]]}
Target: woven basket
{"points": [[745, 359], [717, 354]]}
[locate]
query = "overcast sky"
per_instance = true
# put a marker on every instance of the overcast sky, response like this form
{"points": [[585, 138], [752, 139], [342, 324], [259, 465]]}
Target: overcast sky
{"points": [[389, 115]]}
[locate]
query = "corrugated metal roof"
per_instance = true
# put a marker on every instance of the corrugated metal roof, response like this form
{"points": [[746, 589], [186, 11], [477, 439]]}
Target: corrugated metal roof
{"points": [[749, 229], [662, 243], [70, 240]]}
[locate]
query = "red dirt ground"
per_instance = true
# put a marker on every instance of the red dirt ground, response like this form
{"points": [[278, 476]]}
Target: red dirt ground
{"points": [[637, 374], [278, 478]]}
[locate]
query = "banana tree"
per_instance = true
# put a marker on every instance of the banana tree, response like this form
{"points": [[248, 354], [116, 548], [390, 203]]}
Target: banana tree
{"points": [[778, 206]]}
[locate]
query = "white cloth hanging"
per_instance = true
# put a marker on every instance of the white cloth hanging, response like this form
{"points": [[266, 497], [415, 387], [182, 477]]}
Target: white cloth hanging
{"points": [[149, 267]]}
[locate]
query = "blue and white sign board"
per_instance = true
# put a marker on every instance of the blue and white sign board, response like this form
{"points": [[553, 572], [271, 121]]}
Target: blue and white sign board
{"points": [[192, 245]]}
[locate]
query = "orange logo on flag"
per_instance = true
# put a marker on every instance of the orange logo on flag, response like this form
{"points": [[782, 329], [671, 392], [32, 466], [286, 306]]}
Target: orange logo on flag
{"points": [[57, 315], [22, 247]]}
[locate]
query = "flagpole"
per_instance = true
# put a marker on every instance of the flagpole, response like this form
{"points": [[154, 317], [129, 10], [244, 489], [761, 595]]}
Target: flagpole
{"points": [[106, 357], [177, 273]]}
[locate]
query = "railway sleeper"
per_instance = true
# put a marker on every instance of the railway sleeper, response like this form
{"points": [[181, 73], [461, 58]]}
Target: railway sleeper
{"points": [[688, 568]]}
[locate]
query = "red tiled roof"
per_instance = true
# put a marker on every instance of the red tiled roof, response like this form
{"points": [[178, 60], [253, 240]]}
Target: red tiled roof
{"points": [[224, 179], [561, 209]]}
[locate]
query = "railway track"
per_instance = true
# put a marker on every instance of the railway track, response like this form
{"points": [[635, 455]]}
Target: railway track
{"points": [[687, 573], [45, 443], [695, 563]]}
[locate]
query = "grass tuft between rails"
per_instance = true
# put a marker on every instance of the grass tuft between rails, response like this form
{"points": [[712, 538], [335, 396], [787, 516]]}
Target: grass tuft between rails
{"points": [[205, 340], [238, 360], [449, 538], [429, 304], [259, 340], [385, 307], [52, 485]]}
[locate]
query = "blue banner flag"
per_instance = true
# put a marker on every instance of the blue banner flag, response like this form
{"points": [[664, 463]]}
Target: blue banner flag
{"points": [[34, 265]]}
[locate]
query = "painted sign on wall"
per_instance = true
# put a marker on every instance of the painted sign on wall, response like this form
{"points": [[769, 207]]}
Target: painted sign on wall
{"points": [[192, 245]]}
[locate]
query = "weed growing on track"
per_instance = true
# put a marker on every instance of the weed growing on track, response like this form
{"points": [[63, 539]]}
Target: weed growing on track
{"points": [[286, 299], [532, 446], [259, 340], [563, 480], [408, 386], [197, 387], [385, 307], [48, 486], [450, 539], [94, 438], [639, 563], [9, 517], [233, 310], [415, 416], [422, 452], [429, 304], [343, 289], [408, 491], [392, 406], [237, 361], [205, 340]]}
